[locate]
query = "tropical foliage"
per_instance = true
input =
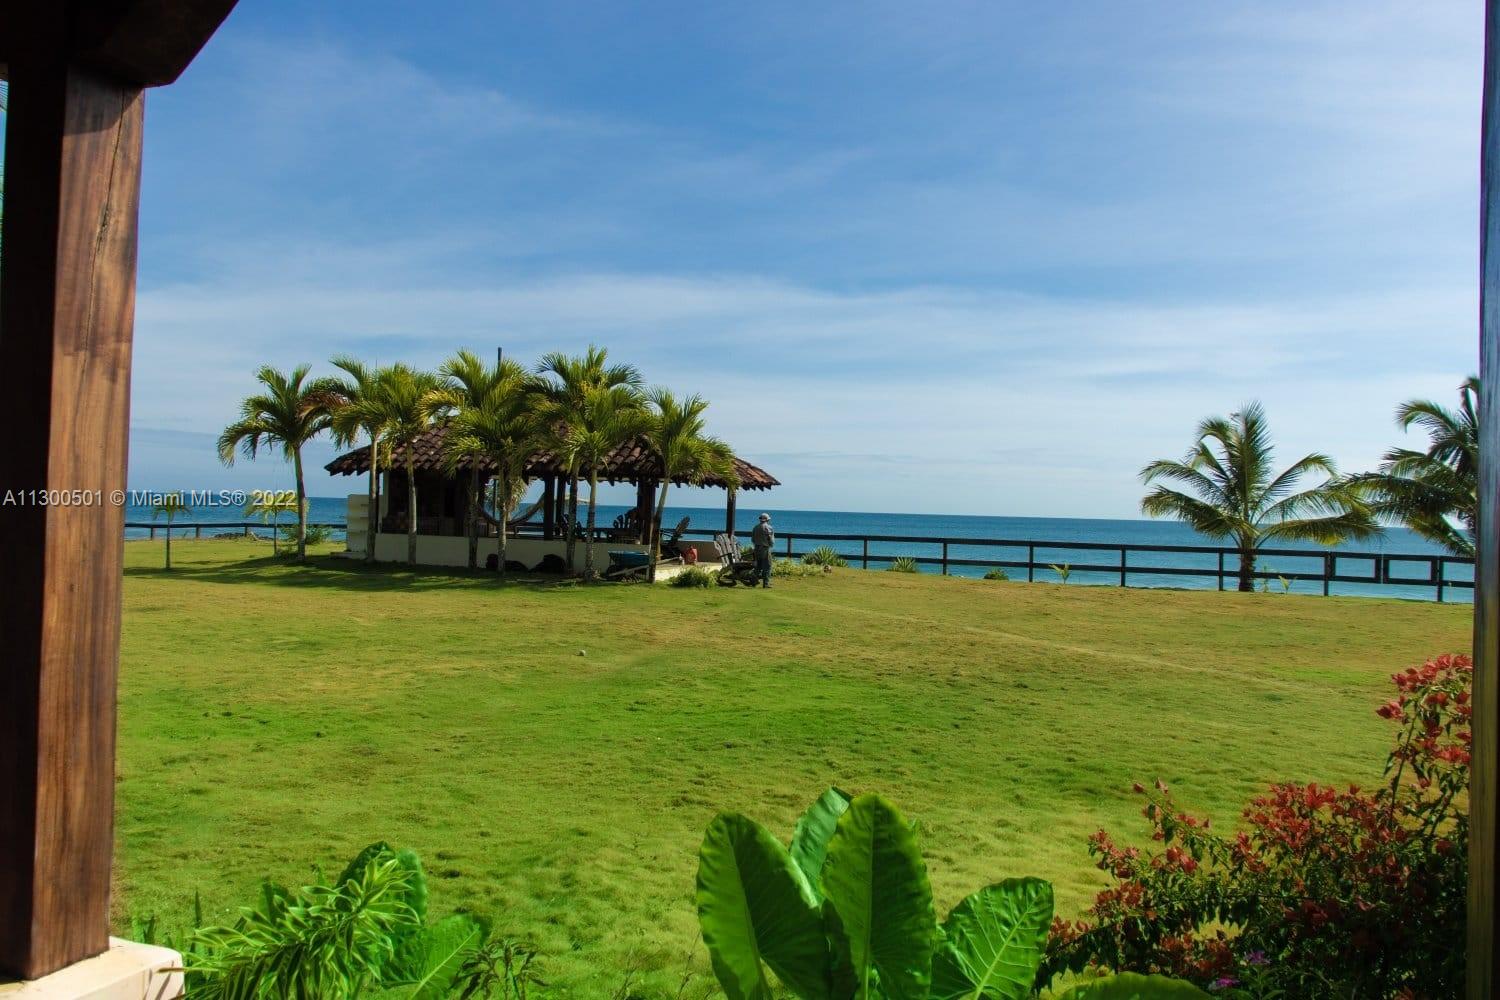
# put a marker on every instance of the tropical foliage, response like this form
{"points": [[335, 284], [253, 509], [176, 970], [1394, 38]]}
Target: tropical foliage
{"points": [[1229, 489], [173, 506], [1428, 491], [675, 430], [289, 412], [1326, 891], [365, 932], [844, 912], [904, 564], [354, 404], [825, 555]]}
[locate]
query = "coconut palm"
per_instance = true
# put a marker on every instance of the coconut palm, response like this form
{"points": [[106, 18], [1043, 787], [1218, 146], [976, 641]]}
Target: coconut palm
{"points": [[1233, 492], [675, 432], [1428, 490], [467, 381], [172, 505], [405, 402], [290, 412], [609, 417], [504, 428], [355, 411], [268, 506], [566, 381]]}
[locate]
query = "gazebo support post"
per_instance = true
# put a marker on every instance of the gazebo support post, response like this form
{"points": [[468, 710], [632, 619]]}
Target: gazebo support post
{"points": [[645, 508], [549, 508], [729, 513]]}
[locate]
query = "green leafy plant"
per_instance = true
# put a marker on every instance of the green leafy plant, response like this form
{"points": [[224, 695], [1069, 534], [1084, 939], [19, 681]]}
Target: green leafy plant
{"points": [[1286, 585], [791, 567], [844, 912], [1063, 571], [172, 505], [316, 534], [825, 555], [903, 564], [693, 576], [365, 931], [997, 574]]}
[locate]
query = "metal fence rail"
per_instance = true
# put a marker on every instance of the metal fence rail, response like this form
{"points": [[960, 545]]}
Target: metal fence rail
{"points": [[1335, 566]]}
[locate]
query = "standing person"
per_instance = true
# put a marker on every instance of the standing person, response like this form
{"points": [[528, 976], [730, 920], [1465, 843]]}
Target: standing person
{"points": [[763, 538]]}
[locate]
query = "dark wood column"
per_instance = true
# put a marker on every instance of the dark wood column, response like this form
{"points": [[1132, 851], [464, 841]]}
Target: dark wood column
{"points": [[67, 305], [729, 513], [1484, 807], [549, 508]]}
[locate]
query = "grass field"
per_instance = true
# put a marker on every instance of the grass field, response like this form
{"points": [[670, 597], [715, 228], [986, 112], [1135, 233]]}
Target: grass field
{"points": [[554, 752]]}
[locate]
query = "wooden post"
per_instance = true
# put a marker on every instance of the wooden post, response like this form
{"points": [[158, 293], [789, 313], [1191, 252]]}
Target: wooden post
{"points": [[1122, 565], [645, 507], [549, 507], [1031, 564], [945, 557], [1221, 570], [865, 559], [729, 514], [67, 306], [1328, 568], [1484, 806]]}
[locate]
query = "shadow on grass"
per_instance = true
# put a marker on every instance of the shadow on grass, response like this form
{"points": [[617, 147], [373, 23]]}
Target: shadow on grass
{"points": [[336, 572]]}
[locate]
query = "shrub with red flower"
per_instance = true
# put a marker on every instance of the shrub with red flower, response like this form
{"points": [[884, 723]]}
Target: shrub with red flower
{"points": [[1324, 892]]}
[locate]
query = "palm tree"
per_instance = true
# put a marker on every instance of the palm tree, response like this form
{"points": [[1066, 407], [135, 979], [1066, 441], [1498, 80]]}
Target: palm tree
{"points": [[1237, 495], [268, 505], [608, 417], [354, 404], [566, 382], [1428, 490], [505, 428], [467, 381], [405, 402], [675, 432], [290, 413], [170, 504]]}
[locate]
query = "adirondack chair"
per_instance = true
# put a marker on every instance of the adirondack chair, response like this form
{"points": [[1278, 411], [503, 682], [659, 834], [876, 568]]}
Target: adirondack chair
{"points": [[733, 568]]}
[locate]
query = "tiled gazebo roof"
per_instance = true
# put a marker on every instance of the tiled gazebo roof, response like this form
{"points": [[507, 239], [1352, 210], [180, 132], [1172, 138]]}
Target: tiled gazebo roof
{"points": [[629, 463]]}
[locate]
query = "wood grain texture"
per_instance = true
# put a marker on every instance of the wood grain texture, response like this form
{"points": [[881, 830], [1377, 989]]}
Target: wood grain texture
{"points": [[1484, 945], [67, 303]]}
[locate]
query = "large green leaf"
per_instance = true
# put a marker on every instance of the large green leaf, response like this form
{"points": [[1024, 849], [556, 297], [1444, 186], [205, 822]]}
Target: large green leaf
{"points": [[876, 882], [1134, 986], [438, 952], [814, 829], [993, 942], [755, 910]]}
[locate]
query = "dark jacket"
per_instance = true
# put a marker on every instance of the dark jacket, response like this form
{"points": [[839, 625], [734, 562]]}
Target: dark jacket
{"points": [[762, 537]]}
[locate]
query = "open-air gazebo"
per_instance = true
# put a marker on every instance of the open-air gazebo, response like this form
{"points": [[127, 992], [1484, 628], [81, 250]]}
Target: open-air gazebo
{"points": [[445, 494]]}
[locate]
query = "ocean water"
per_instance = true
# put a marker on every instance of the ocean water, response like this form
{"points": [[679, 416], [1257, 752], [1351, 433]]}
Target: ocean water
{"points": [[1104, 532]]}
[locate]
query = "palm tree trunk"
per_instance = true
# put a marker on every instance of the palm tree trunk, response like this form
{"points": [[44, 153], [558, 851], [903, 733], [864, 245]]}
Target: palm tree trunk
{"points": [[1247, 568], [661, 506], [588, 543], [474, 501], [572, 530], [374, 511], [411, 510], [504, 512], [301, 507]]}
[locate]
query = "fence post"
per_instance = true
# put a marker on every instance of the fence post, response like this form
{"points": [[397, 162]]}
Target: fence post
{"points": [[1327, 572], [1221, 570], [152, 529], [1031, 564], [1437, 568], [1122, 565], [945, 557], [197, 531], [247, 531], [789, 546], [864, 562]]}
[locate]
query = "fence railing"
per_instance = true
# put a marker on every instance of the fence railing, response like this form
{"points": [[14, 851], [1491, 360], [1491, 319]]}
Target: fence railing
{"points": [[1333, 566], [247, 528]]}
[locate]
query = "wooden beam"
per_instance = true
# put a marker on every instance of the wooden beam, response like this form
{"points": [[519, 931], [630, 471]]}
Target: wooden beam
{"points": [[67, 304], [1484, 805], [144, 42]]}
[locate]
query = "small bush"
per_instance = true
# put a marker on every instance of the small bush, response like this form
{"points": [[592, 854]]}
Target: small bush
{"points": [[790, 567], [693, 576], [825, 555], [903, 564], [317, 534], [997, 574], [1326, 891]]}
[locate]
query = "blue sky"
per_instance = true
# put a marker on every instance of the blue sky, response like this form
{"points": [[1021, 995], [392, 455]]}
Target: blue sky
{"points": [[953, 257]]}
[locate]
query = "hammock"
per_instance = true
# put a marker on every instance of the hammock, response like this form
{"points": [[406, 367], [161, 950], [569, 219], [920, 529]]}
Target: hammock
{"points": [[525, 516]]}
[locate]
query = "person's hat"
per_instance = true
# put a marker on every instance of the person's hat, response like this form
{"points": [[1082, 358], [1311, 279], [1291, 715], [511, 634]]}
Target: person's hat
{"points": [[765, 517]]}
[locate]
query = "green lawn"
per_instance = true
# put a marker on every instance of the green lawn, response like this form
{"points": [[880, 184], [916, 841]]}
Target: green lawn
{"points": [[554, 752]]}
